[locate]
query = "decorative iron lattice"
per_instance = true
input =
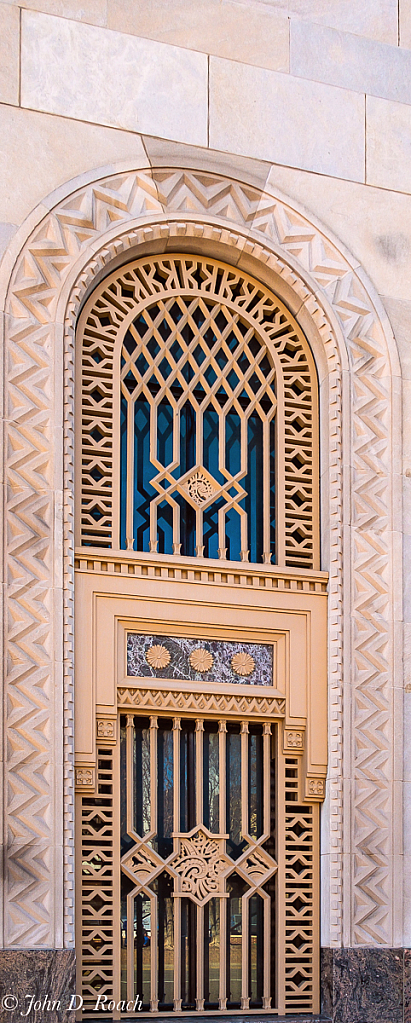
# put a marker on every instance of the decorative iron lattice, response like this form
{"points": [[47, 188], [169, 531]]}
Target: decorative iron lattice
{"points": [[301, 889], [183, 885], [96, 918], [199, 417]]}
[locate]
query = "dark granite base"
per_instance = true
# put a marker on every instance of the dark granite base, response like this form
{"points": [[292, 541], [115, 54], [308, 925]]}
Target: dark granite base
{"points": [[37, 982], [358, 985], [366, 985]]}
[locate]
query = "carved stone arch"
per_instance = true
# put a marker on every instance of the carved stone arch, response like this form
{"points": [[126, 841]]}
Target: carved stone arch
{"points": [[95, 227]]}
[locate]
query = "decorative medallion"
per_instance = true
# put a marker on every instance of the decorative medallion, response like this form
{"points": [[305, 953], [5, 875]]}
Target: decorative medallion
{"points": [[201, 660], [158, 656], [216, 661], [243, 663], [200, 866], [200, 486], [84, 777]]}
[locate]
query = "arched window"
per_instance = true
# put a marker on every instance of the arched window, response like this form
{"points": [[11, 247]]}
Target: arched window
{"points": [[199, 417]]}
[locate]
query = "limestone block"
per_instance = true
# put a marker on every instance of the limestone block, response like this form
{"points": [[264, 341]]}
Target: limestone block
{"points": [[93, 11], [112, 78], [373, 223], [260, 113], [377, 19], [405, 23], [388, 144], [251, 34], [9, 53], [59, 149], [343, 59], [163, 153], [399, 313], [6, 233]]}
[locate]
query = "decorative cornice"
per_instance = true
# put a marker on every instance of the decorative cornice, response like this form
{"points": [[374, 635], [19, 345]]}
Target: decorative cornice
{"points": [[153, 700]]}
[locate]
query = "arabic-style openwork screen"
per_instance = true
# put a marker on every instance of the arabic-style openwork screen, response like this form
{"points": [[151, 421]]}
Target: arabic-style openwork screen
{"points": [[199, 417]]}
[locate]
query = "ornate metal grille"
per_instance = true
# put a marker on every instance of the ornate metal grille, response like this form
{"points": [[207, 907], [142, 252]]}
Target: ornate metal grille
{"points": [[199, 417], [95, 855], [210, 860]]}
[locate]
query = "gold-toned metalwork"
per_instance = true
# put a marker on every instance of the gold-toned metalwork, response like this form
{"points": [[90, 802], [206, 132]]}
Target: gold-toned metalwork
{"points": [[183, 900], [201, 660], [243, 664], [200, 870], [158, 656], [258, 363]]}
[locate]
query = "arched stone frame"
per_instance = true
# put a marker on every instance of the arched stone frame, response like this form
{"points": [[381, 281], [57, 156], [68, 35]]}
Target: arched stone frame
{"points": [[47, 274]]}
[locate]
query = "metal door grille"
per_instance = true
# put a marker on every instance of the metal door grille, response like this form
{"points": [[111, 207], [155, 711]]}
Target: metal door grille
{"points": [[199, 884], [199, 431]]}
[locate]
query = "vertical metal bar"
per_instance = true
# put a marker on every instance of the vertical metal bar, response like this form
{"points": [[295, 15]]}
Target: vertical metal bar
{"points": [[200, 959], [222, 549], [176, 527], [280, 482], [199, 546], [130, 772], [153, 773], [245, 998], [177, 901], [222, 809], [130, 475], [266, 778], [153, 954], [222, 826], [222, 1000], [177, 955], [176, 775], [267, 953], [199, 769], [130, 948], [266, 493], [244, 778], [153, 542]]}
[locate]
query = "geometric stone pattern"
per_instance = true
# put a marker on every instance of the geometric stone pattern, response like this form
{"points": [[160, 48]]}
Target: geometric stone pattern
{"points": [[58, 262]]}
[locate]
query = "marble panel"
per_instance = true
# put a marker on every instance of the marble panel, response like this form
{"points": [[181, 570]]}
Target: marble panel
{"points": [[388, 143], [9, 53], [248, 33], [260, 113], [367, 985], [377, 19], [347, 60], [112, 78], [218, 660], [59, 149], [32, 976], [407, 985], [326, 975]]}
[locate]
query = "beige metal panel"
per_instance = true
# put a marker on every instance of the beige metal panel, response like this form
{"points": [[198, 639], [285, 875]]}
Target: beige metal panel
{"points": [[294, 624]]}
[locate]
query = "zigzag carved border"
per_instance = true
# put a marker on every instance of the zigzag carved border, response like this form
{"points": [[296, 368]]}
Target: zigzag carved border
{"points": [[87, 229]]}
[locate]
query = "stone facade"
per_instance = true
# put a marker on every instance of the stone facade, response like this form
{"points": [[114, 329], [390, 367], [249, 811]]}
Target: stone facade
{"points": [[275, 136]]}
